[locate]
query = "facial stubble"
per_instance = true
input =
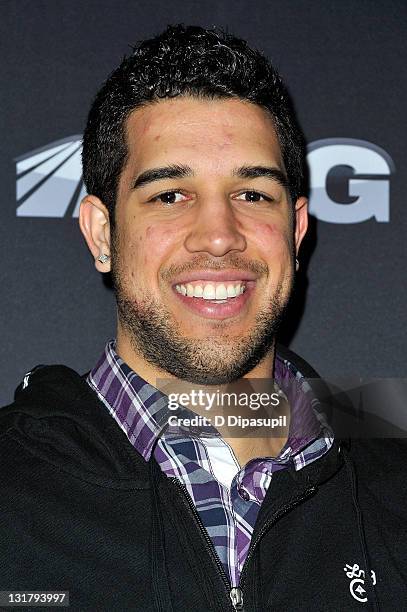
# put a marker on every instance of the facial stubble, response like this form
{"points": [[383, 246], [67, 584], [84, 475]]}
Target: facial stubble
{"points": [[215, 360]]}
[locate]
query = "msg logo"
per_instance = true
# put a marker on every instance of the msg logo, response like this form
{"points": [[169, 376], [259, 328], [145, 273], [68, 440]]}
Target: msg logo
{"points": [[349, 180]]}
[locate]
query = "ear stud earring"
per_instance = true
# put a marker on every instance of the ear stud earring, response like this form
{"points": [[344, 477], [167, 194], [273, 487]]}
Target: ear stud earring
{"points": [[297, 264], [103, 258]]}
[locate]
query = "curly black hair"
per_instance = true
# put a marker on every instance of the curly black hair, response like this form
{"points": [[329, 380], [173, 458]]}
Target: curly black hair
{"points": [[184, 61]]}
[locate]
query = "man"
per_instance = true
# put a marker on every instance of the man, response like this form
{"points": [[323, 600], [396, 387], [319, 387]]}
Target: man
{"points": [[193, 164]]}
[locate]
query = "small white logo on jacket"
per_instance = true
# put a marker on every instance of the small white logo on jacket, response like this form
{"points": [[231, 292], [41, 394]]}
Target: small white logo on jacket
{"points": [[357, 583]]}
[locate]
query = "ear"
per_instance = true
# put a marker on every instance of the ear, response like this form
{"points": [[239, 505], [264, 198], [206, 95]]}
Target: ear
{"points": [[95, 227], [301, 221]]}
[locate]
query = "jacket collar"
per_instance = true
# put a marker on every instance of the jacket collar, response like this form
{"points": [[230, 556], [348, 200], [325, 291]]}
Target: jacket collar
{"points": [[142, 411], [56, 410]]}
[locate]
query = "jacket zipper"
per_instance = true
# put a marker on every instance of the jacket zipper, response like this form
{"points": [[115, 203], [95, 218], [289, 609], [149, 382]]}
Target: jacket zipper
{"points": [[267, 526], [236, 593], [231, 592]]}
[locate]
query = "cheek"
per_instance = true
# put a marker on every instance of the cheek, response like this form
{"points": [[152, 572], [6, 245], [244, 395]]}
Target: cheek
{"points": [[272, 239], [155, 243], [144, 248]]}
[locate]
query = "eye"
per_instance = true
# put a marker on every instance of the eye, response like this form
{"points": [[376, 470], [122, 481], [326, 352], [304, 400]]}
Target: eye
{"points": [[169, 197], [253, 196]]}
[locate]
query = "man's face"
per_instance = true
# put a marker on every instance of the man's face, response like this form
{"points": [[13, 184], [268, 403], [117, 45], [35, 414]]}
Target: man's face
{"points": [[204, 241]]}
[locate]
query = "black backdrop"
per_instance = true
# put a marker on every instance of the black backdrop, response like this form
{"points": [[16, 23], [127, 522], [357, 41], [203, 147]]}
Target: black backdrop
{"points": [[344, 62]]}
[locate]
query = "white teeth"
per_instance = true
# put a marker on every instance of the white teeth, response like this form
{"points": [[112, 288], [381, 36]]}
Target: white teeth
{"points": [[231, 291], [221, 292], [209, 292]]}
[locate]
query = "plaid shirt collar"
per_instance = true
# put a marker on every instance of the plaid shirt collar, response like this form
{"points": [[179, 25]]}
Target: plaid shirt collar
{"points": [[142, 411]]}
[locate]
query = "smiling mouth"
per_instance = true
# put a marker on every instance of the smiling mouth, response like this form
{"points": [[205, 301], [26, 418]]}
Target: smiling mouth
{"points": [[218, 293], [211, 299]]}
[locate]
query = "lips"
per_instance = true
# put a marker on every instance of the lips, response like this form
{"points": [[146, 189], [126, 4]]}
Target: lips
{"points": [[215, 294], [208, 307]]}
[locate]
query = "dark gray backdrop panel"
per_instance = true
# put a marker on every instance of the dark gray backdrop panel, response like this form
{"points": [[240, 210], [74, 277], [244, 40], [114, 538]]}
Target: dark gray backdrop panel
{"points": [[345, 66]]}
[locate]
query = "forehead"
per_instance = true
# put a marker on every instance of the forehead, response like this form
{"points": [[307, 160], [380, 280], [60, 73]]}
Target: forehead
{"points": [[201, 132]]}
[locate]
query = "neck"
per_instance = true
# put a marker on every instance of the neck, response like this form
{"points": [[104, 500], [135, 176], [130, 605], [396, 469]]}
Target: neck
{"points": [[245, 448]]}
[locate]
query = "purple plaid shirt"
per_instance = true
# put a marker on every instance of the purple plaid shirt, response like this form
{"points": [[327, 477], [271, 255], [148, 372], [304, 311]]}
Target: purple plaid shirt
{"points": [[227, 497]]}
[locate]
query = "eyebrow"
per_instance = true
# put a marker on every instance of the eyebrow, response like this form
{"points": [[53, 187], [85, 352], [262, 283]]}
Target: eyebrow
{"points": [[270, 172], [176, 171]]}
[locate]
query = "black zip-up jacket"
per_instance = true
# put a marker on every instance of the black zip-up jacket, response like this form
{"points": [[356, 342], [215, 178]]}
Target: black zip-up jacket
{"points": [[81, 511]]}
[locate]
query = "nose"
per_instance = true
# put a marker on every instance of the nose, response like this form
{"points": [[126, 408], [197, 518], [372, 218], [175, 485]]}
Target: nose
{"points": [[215, 229]]}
